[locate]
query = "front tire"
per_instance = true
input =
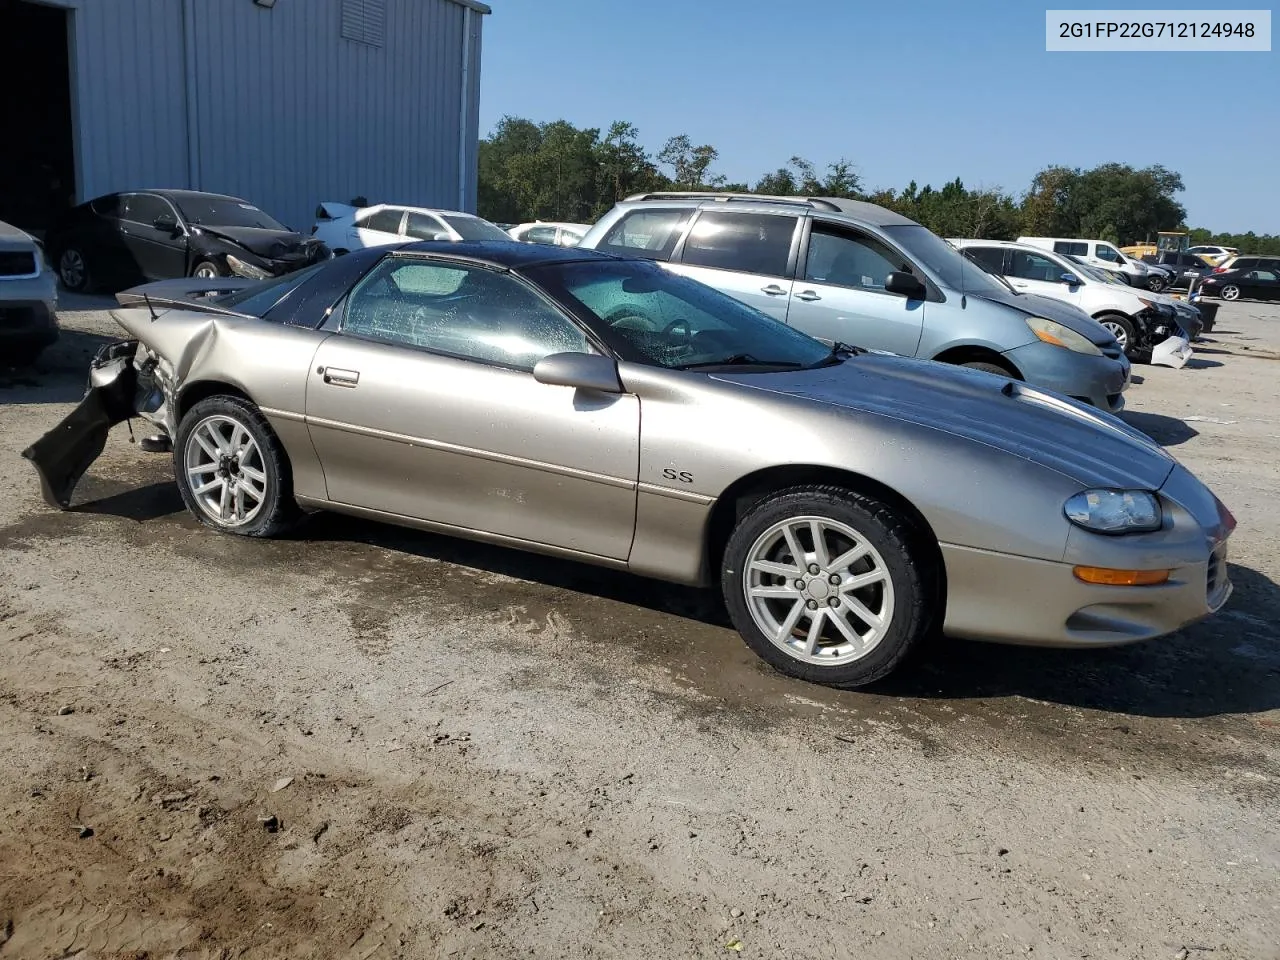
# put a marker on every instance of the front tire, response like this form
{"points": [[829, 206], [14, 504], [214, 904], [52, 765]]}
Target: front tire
{"points": [[827, 585], [208, 270], [1230, 292], [1122, 328], [1155, 283], [232, 470], [987, 367]]}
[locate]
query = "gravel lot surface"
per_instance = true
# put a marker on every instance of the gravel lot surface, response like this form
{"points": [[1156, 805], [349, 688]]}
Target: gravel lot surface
{"points": [[370, 742]]}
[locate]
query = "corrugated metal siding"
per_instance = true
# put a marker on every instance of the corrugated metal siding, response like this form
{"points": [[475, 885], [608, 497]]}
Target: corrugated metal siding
{"points": [[130, 99], [289, 113]]}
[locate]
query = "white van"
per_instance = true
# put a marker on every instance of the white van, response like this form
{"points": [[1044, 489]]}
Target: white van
{"points": [[1096, 253]]}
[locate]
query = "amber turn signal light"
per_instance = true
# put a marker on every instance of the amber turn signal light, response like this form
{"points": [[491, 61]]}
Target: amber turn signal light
{"points": [[1121, 578]]}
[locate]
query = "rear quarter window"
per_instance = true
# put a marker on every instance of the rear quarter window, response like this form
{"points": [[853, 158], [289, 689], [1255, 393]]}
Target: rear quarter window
{"points": [[651, 234]]}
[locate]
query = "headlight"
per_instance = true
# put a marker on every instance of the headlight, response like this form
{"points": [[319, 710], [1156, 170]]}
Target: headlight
{"points": [[1115, 511], [242, 269], [1052, 332]]}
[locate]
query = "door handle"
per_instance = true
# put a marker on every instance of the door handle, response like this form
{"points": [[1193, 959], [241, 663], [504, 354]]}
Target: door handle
{"points": [[773, 290], [341, 378], [807, 296]]}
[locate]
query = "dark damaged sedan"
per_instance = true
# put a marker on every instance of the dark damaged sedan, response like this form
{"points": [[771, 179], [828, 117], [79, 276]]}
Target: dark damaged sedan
{"points": [[122, 239]]}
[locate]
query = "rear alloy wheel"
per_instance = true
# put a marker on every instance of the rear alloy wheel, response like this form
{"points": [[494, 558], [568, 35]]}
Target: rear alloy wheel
{"points": [[825, 584], [1120, 327], [208, 270], [1230, 292], [232, 470], [73, 270]]}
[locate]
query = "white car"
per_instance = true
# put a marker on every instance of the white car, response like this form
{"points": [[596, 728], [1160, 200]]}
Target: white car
{"points": [[344, 228], [1212, 254], [540, 231], [1096, 253], [1132, 315]]}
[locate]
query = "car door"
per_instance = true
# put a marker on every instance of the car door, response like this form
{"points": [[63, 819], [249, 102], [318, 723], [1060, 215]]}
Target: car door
{"points": [[840, 294], [157, 253], [749, 256], [423, 405], [1029, 272], [1262, 284], [377, 228]]}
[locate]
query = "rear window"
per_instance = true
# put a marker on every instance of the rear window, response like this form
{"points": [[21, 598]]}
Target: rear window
{"points": [[652, 234], [255, 300], [473, 228]]}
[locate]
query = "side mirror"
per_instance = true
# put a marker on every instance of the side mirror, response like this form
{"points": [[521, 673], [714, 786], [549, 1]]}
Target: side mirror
{"points": [[586, 371], [166, 222], [1070, 279], [904, 284]]}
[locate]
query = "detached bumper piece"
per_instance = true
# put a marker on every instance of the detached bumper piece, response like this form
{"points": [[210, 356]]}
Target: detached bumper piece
{"points": [[62, 455]]}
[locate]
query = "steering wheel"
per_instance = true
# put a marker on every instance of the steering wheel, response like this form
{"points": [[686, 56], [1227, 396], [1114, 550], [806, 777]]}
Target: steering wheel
{"points": [[677, 324], [629, 318]]}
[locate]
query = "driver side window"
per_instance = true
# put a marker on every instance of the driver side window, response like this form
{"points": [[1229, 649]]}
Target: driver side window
{"points": [[848, 259], [460, 310]]}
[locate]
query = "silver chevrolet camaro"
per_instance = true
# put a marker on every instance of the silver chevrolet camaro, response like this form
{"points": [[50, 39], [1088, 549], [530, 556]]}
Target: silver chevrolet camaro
{"points": [[610, 411]]}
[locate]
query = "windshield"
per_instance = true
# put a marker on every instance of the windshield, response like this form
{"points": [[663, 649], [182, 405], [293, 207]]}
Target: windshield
{"points": [[650, 315], [257, 298], [225, 212], [473, 228], [943, 261]]}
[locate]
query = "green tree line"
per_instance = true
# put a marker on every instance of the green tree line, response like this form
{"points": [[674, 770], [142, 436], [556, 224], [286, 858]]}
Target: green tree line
{"points": [[556, 171]]}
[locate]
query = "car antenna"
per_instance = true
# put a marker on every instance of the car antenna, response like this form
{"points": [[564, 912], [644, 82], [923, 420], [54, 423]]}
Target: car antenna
{"points": [[147, 300]]}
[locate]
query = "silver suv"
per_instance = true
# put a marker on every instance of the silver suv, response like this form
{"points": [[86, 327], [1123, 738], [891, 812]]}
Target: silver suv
{"points": [[853, 272]]}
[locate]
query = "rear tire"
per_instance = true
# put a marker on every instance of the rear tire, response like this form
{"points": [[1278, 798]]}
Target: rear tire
{"points": [[232, 470], [73, 270], [855, 619]]}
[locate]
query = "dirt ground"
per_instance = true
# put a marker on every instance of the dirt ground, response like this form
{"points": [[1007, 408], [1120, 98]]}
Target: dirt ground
{"points": [[369, 742]]}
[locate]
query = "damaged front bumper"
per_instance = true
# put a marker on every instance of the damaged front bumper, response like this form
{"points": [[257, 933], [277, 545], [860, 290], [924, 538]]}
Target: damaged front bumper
{"points": [[123, 384]]}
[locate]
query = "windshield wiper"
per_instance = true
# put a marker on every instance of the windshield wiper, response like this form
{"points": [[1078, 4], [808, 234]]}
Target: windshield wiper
{"points": [[739, 360], [838, 348]]}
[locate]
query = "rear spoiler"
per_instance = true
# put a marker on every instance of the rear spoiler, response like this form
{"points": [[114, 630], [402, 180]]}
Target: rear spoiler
{"points": [[184, 293], [330, 210]]}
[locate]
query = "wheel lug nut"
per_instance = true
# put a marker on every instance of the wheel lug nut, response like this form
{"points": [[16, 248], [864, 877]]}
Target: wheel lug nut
{"points": [[833, 602], [834, 578], [812, 604], [799, 584], [814, 569]]}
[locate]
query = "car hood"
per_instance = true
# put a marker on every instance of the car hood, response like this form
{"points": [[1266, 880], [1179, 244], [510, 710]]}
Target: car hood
{"points": [[11, 238], [1067, 314], [1077, 441], [265, 243]]}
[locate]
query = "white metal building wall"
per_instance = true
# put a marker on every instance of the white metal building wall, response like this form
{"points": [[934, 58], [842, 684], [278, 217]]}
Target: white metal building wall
{"points": [[274, 104]]}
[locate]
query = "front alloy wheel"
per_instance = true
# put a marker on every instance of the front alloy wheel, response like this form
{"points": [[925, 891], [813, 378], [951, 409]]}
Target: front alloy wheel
{"points": [[818, 590], [829, 585]]}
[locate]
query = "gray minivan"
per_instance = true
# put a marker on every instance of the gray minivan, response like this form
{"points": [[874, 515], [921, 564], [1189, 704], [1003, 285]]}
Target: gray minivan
{"points": [[853, 272]]}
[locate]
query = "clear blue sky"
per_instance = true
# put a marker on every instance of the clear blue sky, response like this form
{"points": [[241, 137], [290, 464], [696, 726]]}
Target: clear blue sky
{"points": [[924, 90]]}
